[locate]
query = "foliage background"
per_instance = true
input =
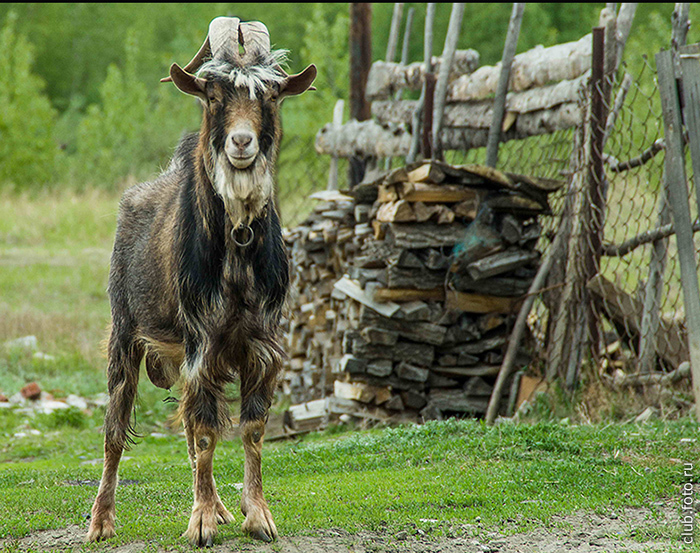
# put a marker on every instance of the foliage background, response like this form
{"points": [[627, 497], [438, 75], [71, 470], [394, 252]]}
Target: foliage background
{"points": [[83, 106]]}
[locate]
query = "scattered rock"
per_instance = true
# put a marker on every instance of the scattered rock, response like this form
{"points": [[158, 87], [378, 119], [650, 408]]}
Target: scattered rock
{"points": [[31, 391], [29, 343]]}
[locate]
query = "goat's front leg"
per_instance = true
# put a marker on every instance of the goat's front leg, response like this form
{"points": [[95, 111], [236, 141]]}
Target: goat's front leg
{"points": [[223, 516], [258, 522], [202, 526], [257, 389]]}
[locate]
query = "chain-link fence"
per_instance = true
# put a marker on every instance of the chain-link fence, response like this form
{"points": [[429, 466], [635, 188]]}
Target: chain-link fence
{"points": [[613, 304]]}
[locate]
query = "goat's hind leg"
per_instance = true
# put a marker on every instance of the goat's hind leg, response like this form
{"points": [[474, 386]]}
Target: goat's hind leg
{"points": [[123, 376]]}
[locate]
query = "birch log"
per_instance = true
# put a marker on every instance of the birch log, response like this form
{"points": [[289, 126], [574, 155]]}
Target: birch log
{"points": [[535, 68]]}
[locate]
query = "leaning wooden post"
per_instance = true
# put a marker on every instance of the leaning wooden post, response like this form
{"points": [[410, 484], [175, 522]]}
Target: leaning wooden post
{"points": [[499, 103], [337, 123], [391, 47], [427, 70], [393, 42], [690, 69], [406, 44], [448, 54], [680, 209], [653, 289]]}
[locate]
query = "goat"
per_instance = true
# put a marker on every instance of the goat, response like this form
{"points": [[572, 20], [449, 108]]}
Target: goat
{"points": [[199, 276]]}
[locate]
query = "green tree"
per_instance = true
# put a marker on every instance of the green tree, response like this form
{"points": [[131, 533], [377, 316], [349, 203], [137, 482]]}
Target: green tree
{"points": [[29, 156]]}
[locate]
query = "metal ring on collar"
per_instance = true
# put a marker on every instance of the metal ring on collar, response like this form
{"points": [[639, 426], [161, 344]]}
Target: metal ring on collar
{"points": [[249, 236]]}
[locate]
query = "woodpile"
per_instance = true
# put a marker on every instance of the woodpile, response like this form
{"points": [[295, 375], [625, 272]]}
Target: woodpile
{"points": [[405, 295], [544, 97]]}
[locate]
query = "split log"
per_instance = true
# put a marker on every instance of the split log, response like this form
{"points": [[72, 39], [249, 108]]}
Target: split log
{"points": [[500, 263], [456, 400], [537, 67], [373, 139], [386, 78]]}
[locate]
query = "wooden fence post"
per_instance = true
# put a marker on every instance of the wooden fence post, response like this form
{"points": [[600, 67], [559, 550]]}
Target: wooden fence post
{"points": [[499, 103], [360, 61], [337, 123], [653, 290], [421, 106], [448, 54], [680, 209]]}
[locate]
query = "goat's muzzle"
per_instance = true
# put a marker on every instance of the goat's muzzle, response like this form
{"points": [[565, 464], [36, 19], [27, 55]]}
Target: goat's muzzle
{"points": [[241, 148]]}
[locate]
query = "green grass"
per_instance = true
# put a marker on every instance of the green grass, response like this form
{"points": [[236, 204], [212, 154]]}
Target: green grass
{"points": [[385, 480], [54, 257]]}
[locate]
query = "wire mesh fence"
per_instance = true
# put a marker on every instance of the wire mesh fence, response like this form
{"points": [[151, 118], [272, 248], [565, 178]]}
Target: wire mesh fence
{"points": [[623, 316]]}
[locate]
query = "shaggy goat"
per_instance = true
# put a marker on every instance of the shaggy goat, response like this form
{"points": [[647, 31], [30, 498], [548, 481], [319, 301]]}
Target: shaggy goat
{"points": [[199, 275]]}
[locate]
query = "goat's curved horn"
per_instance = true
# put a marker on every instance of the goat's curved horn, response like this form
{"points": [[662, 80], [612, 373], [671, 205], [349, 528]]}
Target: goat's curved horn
{"points": [[197, 60], [255, 39], [223, 31]]}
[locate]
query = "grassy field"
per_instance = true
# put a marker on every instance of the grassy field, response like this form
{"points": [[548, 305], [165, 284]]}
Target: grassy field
{"points": [[441, 485]]}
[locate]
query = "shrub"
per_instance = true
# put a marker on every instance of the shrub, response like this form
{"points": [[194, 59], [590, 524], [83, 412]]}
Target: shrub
{"points": [[29, 156]]}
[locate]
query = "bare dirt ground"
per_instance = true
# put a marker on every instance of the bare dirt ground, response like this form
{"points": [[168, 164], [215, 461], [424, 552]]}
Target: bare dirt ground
{"points": [[584, 533]]}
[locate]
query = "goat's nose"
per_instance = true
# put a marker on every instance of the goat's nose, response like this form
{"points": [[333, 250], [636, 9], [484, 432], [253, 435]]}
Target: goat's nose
{"points": [[241, 139]]}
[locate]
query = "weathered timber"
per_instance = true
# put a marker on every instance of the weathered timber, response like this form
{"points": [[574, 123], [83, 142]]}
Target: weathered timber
{"points": [[408, 371], [480, 303], [386, 78], [352, 365], [361, 392], [396, 295], [476, 114], [411, 278], [307, 416], [426, 172], [515, 203], [537, 67], [415, 311], [479, 370], [478, 347], [353, 290], [380, 367], [428, 235], [499, 286], [381, 336], [426, 193], [419, 354], [375, 139], [625, 312], [399, 211], [500, 263], [456, 401], [477, 386], [416, 331]]}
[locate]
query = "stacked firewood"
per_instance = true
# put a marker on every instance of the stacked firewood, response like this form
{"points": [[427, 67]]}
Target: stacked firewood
{"points": [[320, 249], [441, 257]]}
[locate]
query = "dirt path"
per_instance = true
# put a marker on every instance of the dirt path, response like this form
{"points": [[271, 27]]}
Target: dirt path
{"points": [[584, 533]]}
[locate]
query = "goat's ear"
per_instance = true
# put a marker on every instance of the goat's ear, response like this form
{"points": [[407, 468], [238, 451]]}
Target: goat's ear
{"points": [[301, 82], [188, 83]]}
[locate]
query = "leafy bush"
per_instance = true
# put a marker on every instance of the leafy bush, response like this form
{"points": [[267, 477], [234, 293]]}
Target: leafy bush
{"points": [[29, 156]]}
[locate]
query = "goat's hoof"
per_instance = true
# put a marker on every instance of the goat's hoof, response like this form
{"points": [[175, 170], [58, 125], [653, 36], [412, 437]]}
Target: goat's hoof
{"points": [[223, 516], [101, 528], [202, 527], [258, 524]]}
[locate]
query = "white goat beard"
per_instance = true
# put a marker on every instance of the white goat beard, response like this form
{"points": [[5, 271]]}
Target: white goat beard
{"points": [[245, 192]]}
